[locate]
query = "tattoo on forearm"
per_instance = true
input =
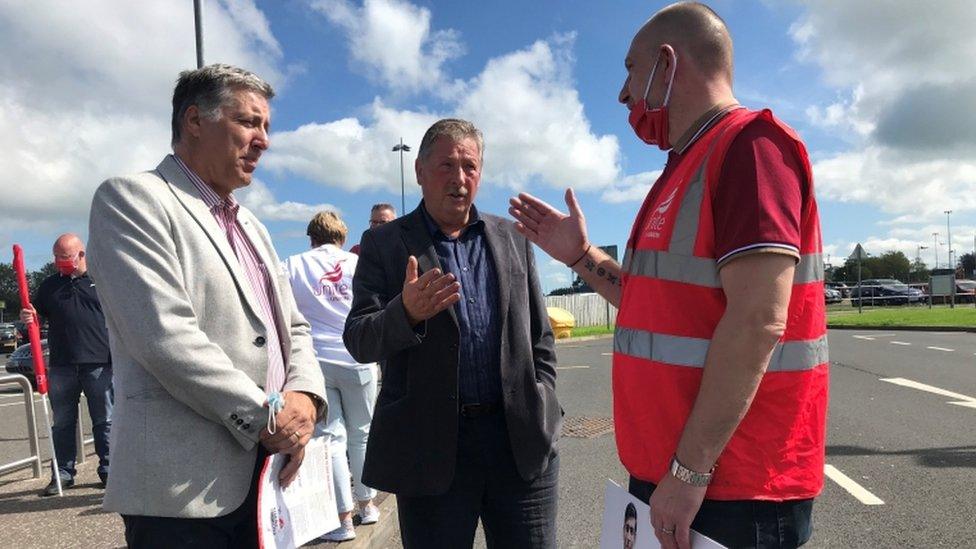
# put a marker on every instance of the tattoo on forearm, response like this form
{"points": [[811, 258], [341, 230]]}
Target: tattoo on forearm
{"points": [[601, 272]]}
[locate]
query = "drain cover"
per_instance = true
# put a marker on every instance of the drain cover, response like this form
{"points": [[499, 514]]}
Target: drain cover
{"points": [[587, 427]]}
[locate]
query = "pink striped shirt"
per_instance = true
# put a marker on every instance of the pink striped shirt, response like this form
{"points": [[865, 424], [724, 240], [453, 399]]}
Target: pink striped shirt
{"points": [[255, 271]]}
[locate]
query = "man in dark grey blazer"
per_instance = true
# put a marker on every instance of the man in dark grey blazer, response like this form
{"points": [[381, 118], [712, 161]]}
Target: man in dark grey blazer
{"points": [[466, 422]]}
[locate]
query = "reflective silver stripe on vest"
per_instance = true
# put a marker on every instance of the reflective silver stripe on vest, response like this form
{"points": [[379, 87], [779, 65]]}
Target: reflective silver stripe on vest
{"points": [[809, 269], [691, 351], [685, 229], [701, 271]]}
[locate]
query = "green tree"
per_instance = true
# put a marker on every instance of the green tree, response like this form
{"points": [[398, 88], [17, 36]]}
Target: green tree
{"points": [[10, 290], [895, 265], [968, 264]]}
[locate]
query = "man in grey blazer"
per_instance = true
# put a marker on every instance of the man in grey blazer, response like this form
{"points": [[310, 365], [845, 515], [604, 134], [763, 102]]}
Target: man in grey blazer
{"points": [[202, 325], [466, 422]]}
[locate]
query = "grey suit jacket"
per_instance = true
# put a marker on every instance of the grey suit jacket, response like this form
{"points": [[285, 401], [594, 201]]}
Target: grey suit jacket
{"points": [[188, 346], [413, 438]]}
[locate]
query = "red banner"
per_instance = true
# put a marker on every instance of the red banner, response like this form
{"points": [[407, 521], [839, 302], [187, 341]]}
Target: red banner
{"points": [[33, 329]]}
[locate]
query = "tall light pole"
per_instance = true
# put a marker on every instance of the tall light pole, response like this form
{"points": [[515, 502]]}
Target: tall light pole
{"points": [[918, 258], [949, 239], [401, 148], [198, 24], [935, 248]]}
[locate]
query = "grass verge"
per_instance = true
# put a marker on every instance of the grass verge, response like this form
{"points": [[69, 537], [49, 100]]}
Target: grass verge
{"points": [[592, 331], [937, 316]]}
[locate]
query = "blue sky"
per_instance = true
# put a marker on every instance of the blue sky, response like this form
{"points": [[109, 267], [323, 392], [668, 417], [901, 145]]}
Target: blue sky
{"points": [[876, 95]]}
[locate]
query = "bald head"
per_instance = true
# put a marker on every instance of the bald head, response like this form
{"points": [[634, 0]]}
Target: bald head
{"points": [[695, 32], [69, 246]]}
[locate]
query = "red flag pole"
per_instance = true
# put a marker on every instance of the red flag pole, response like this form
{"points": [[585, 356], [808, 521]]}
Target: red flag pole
{"points": [[37, 354]]}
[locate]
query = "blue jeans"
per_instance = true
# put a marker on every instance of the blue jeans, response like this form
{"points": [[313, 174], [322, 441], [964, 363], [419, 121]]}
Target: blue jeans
{"points": [[66, 383], [747, 523], [351, 393]]}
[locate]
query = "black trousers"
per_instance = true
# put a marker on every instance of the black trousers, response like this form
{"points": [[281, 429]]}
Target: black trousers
{"points": [[514, 513], [747, 523], [235, 530]]}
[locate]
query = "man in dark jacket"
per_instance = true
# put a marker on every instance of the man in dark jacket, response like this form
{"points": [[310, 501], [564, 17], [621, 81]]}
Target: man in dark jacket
{"points": [[466, 423]]}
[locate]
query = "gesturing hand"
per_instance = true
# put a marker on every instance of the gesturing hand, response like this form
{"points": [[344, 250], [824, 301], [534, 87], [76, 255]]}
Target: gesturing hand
{"points": [[561, 236], [430, 293]]}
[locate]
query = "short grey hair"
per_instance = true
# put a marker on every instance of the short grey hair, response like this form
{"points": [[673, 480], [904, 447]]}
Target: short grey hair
{"points": [[454, 128], [383, 206], [210, 88]]}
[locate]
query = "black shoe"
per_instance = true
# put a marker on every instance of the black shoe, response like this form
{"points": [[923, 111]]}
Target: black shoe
{"points": [[52, 488], [104, 478]]}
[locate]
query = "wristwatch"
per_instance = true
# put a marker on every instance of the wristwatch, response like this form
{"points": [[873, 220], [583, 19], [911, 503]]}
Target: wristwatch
{"points": [[688, 476]]}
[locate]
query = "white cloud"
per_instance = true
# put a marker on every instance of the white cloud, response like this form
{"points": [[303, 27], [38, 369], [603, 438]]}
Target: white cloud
{"points": [[350, 155], [393, 42], [258, 198], [85, 90], [633, 188], [907, 118], [534, 124], [525, 104]]}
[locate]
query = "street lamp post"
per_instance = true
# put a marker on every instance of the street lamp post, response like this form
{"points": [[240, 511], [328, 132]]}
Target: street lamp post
{"points": [[935, 248], [949, 238], [918, 257], [952, 268], [198, 25], [401, 148]]}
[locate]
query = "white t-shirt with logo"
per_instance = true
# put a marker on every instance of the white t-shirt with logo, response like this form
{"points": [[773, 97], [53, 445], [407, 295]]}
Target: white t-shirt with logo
{"points": [[321, 280]]}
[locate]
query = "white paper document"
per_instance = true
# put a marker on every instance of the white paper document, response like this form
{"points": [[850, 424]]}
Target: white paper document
{"points": [[638, 533], [304, 510]]}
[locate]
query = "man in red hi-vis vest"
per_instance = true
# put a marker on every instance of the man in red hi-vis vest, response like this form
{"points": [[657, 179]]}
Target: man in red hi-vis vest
{"points": [[720, 370]]}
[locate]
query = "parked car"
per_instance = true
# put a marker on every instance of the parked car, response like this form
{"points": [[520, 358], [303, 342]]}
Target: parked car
{"points": [[883, 291], [916, 295], [965, 290], [832, 295], [844, 289], [9, 337], [21, 361]]}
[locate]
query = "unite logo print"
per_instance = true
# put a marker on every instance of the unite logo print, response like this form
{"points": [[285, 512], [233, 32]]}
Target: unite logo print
{"points": [[660, 215], [335, 275], [331, 285]]}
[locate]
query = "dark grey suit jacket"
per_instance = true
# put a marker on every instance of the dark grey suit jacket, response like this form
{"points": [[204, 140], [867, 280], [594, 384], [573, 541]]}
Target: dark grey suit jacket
{"points": [[413, 438]]}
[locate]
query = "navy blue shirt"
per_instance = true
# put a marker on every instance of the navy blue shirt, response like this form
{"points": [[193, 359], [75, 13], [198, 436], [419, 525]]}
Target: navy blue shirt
{"points": [[468, 258], [76, 326]]}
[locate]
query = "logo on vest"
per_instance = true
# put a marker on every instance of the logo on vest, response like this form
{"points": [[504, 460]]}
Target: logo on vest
{"points": [[658, 218], [331, 285]]}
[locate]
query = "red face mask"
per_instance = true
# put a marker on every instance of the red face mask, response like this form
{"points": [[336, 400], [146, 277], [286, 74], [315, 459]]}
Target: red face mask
{"points": [[66, 266], [651, 125]]}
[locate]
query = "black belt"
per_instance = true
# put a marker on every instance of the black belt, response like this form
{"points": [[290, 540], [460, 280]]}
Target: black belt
{"points": [[479, 410]]}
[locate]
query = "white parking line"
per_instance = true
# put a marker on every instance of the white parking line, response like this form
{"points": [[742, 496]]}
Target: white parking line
{"points": [[869, 338], [899, 343], [606, 354], [943, 349], [572, 367], [958, 399], [853, 488]]}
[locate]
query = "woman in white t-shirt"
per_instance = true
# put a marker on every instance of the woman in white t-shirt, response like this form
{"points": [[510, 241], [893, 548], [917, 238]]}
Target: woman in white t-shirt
{"points": [[321, 280]]}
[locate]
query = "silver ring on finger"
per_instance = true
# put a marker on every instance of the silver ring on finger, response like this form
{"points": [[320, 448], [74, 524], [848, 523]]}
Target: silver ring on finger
{"points": [[667, 531]]}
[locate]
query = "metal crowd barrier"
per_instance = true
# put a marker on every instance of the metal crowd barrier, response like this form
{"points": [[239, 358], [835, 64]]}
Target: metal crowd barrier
{"points": [[35, 458], [80, 440]]}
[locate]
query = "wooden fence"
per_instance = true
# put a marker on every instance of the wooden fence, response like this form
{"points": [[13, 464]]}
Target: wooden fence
{"points": [[588, 309]]}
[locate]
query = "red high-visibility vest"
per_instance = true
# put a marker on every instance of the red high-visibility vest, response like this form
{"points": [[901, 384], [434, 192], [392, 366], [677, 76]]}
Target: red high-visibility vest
{"points": [[672, 301]]}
